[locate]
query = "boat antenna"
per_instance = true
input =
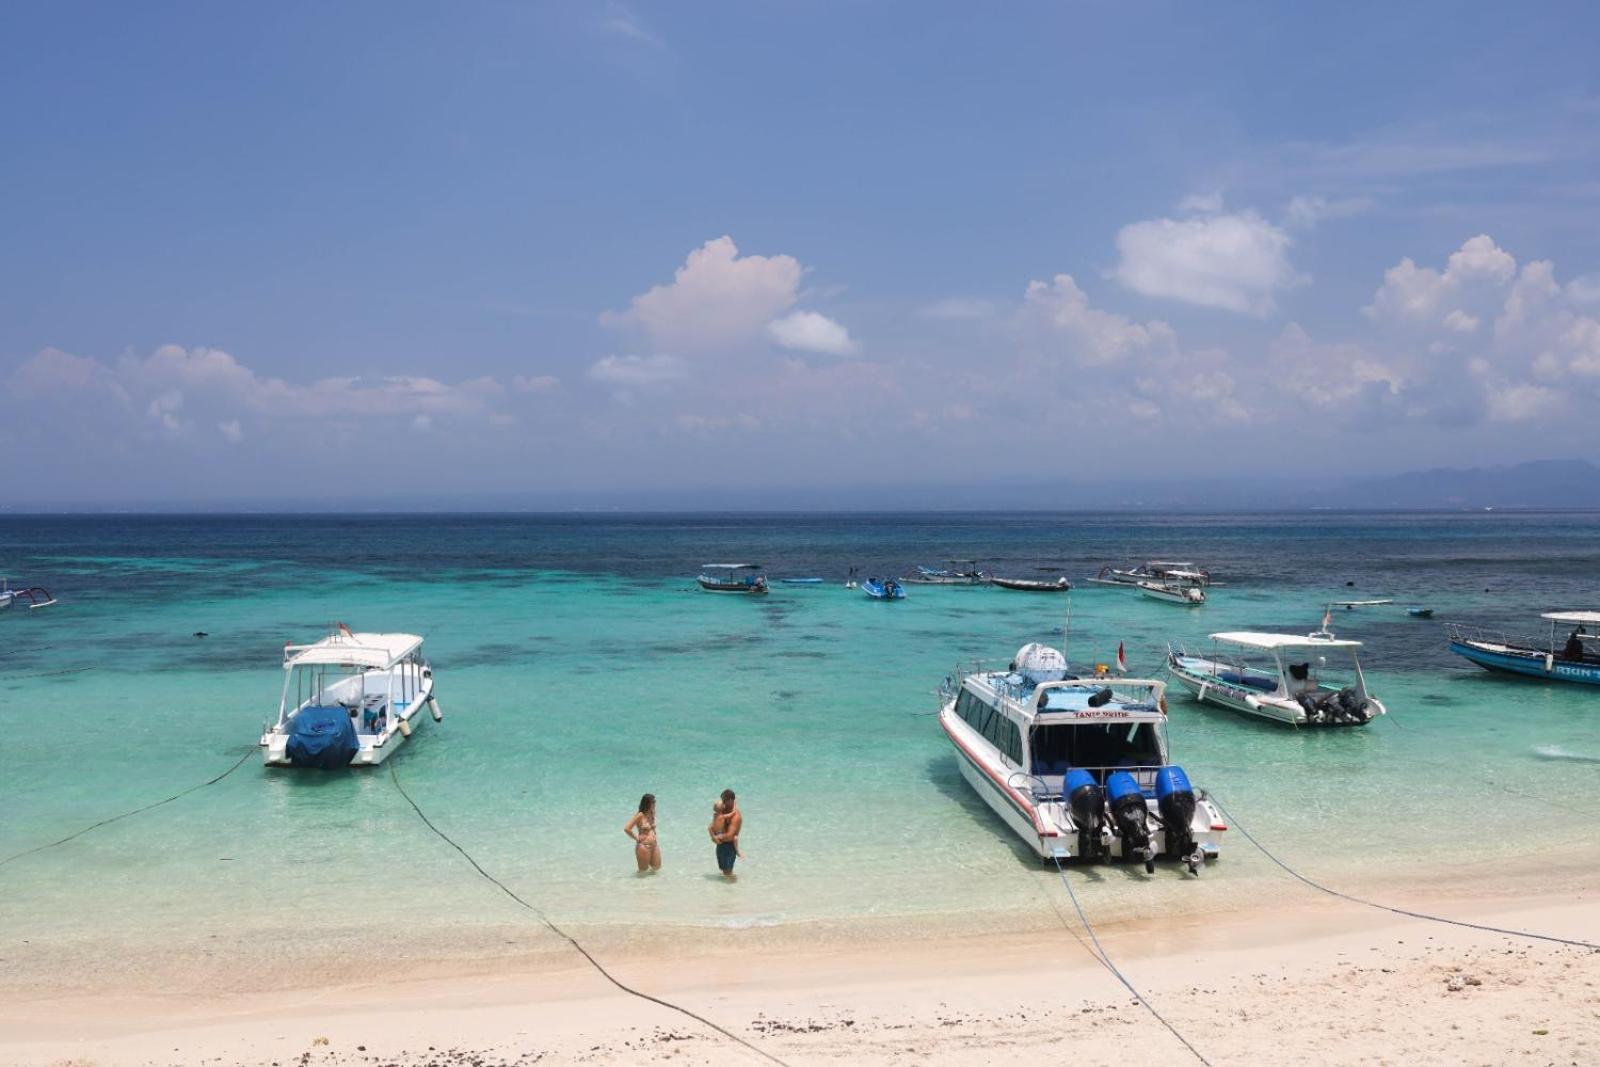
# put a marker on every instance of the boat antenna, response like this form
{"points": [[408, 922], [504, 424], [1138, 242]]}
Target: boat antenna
{"points": [[1066, 627]]}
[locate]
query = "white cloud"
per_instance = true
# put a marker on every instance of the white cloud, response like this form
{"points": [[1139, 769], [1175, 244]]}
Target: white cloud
{"points": [[809, 331], [1060, 311], [1423, 296], [1305, 212], [1238, 262], [622, 22], [232, 430], [632, 372], [718, 299], [540, 383]]}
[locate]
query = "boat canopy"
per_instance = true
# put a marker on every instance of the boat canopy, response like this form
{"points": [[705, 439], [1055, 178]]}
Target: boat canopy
{"points": [[1131, 700], [343, 649], [1579, 618], [1272, 642], [730, 566], [1175, 572]]}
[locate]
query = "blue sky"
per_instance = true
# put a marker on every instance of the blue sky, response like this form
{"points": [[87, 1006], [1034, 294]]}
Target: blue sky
{"points": [[518, 248]]}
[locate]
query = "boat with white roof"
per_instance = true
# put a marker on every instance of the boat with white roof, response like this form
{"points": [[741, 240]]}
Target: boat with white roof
{"points": [[1077, 767], [1295, 690], [349, 699], [1155, 570], [733, 578], [1176, 587], [1575, 659]]}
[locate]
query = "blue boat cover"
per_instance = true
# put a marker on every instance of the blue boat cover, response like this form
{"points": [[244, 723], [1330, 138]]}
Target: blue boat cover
{"points": [[322, 737]]}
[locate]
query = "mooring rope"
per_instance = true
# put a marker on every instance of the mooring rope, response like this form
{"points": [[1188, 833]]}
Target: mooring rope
{"points": [[129, 814], [1105, 961], [1237, 825], [569, 939]]}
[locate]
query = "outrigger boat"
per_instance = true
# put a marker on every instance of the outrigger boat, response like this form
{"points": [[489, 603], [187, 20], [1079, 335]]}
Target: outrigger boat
{"points": [[1033, 585], [34, 596], [1291, 692], [348, 700], [960, 572], [1156, 570], [1577, 659], [1077, 767], [733, 578], [883, 588], [1178, 587]]}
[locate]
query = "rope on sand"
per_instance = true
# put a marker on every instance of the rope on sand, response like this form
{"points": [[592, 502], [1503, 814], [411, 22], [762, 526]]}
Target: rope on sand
{"points": [[1385, 907], [569, 939]]}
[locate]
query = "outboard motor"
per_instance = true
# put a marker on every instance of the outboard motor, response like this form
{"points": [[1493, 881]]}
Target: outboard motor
{"points": [[1087, 802], [1175, 798], [1352, 706], [1131, 817]]}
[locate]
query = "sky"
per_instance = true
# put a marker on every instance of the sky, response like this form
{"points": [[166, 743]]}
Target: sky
{"points": [[299, 252]]}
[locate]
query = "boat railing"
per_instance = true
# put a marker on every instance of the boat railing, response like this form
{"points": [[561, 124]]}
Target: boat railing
{"points": [[1466, 632], [1041, 790]]}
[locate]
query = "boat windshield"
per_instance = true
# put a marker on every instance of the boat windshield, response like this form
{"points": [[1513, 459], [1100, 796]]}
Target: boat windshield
{"points": [[1056, 748]]}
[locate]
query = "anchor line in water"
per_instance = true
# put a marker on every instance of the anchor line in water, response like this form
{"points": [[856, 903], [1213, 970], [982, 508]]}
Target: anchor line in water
{"points": [[1104, 959], [1575, 942], [130, 814], [569, 939]]}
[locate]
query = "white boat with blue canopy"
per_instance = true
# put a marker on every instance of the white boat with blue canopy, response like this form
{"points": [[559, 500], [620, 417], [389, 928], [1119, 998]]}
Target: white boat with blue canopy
{"points": [[349, 700], [1078, 768], [1300, 689], [1575, 659]]}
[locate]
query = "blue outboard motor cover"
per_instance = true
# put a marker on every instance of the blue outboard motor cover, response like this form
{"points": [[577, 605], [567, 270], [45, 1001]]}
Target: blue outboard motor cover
{"points": [[1077, 778], [322, 737], [1120, 784], [1171, 780]]}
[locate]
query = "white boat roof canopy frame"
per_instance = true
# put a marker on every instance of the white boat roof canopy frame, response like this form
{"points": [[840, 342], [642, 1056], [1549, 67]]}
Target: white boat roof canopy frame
{"points": [[1580, 618], [343, 649], [1274, 642]]}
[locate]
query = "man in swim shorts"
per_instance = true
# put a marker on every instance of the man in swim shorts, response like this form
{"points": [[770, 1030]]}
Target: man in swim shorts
{"points": [[725, 832]]}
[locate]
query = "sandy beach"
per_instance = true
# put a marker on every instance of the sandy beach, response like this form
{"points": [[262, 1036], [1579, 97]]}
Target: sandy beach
{"points": [[1312, 979]]}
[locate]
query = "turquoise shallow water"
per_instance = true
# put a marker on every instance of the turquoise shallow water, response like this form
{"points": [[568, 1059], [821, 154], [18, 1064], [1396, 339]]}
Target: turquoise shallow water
{"points": [[578, 666]]}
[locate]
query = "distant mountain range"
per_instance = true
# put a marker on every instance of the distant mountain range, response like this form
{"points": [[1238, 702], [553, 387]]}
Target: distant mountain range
{"points": [[1569, 484]]}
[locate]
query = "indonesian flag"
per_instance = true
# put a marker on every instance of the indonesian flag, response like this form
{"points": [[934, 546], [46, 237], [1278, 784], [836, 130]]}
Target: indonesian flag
{"points": [[1122, 660]]}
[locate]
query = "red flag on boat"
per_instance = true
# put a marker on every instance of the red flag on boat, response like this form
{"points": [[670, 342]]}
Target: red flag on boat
{"points": [[1122, 660]]}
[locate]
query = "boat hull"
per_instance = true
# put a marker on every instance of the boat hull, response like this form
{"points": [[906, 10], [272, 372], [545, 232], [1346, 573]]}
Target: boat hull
{"points": [[1183, 597], [1024, 585], [747, 588], [1210, 689], [373, 750], [1527, 663]]}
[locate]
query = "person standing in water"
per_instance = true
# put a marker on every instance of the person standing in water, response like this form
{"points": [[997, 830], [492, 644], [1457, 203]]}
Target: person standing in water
{"points": [[642, 829], [725, 832]]}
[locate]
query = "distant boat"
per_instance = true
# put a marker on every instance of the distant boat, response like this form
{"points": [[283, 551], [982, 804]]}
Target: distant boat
{"points": [[1177, 587], [883, 588], [1575, 660], [1349, 605], [348, 700], [1155, 570], [34, 596], [733, 578], [1033, 585], [1420, 613], [960, 572], [800, 581]]}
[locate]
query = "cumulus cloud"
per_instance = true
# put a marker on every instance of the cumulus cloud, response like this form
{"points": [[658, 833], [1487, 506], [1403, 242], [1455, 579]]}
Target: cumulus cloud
{"points": [[1060, 311], [1422, 296], [717, 300], [809, 331], [632, 372], [1237, 262], [174, 380]]}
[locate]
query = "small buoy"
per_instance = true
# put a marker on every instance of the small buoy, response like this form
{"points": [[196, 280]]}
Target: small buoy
{"points": [[433, 706], [201, 633], [1349, 583], [405, 727]]}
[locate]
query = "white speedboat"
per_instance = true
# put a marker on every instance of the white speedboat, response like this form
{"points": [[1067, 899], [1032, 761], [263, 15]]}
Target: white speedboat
{"points": [[34, 596], [1156, 570], [1177, 587], [1078, 767], [1295, 690], [349, 699]]}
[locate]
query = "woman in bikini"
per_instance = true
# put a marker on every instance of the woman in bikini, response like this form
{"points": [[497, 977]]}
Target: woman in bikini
{"points": [[642, 828]]}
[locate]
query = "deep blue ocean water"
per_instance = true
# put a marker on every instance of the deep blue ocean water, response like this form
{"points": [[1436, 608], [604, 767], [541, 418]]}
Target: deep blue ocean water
{"points": [[578, 666]]}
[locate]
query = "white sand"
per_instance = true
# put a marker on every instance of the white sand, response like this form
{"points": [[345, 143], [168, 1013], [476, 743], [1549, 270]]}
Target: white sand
{"points": [[1314, 981]]}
